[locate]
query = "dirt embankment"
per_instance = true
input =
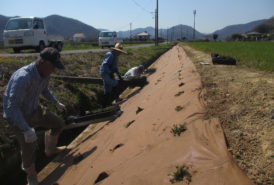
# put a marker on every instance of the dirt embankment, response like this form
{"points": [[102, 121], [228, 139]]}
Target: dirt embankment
{"points": [[243, 100], [162, 137]]}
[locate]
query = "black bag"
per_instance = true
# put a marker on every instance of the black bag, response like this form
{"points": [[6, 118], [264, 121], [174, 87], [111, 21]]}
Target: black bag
{"points": [[218, 59]]}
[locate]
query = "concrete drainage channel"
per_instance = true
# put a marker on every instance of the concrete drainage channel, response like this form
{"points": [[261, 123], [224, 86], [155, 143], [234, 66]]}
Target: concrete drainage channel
{"points": [[75, 126]]}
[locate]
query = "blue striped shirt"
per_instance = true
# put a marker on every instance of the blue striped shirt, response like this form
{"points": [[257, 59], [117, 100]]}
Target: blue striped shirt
{"points": [[21, 96]]}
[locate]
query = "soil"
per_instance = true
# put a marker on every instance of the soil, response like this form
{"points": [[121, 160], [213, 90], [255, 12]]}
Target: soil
{"points": [[233, 99], [149, 152], [243, 100]]}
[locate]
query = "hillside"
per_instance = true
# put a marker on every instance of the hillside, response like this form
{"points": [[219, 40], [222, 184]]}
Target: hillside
{"points": [[173, 33], [239, 28], [126, 34], [67, 27], [60, 25], [265, 27]]}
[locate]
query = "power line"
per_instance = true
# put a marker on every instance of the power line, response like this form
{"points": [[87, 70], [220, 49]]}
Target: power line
{"points": [[137, 4]]}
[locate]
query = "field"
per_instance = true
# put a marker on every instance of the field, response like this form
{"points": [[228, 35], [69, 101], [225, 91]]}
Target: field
{"points": [[258, 55], [242, 98], [69, 45]]}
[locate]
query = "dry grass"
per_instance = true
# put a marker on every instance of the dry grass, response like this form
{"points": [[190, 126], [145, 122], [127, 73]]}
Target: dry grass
{"points": [[243, 100]]}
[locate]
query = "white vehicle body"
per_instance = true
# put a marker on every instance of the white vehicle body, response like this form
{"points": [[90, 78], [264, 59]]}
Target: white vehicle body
{"points": [[108, 38], [25, 33]]}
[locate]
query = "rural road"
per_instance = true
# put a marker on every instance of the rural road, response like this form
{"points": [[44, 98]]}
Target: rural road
{"points": [[69, 51]]}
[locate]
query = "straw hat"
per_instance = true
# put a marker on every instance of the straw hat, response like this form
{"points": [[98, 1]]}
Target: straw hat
{"points": [[118, 47]]}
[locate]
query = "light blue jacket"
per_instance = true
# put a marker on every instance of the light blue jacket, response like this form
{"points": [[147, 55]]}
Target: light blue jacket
{"points": [[21, 96], [109, 64]]}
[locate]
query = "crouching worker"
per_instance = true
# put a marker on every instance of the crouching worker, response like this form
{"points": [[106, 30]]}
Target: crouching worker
{"points": [[23, 112], [134, 72], [108, 68]]}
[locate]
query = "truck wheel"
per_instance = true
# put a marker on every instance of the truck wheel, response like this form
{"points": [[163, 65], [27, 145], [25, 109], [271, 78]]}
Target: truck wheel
{"points": [[16, 50], [41, 47]]}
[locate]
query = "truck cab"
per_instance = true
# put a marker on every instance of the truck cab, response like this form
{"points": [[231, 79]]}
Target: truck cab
{"points": [[108, 39], [26, 33]]}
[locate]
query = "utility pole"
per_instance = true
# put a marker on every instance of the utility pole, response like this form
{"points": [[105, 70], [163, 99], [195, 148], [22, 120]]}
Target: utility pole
{"points": [[194, 13], [167, 34], [181, 33], [130, 24], [173, 35], [156, 24]]}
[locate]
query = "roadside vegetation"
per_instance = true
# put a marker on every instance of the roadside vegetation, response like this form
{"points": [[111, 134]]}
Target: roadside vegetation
{"points": [[242, 98], [78, 98], [69, 45], [258, 55]]}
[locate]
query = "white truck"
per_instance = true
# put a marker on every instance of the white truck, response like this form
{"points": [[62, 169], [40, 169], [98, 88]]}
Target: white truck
{"points": [[29, 33], [108, 39]]}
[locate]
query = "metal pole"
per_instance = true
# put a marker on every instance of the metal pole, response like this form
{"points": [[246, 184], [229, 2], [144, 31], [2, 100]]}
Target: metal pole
{"points": [[167, 34], [181, 33], [156, 24], [194, 12], [130, 31]]}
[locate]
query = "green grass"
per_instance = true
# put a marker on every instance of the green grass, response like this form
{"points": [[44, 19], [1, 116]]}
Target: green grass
{"points": [[179, 93], [68, 46], [77, 97], [258, 55], [178, 129], [181, 174], [80, 46], [178, 108], [76, 46]]}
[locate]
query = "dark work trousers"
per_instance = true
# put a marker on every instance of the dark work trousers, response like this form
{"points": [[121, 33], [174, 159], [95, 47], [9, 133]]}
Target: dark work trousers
{"points": [[39, 118]]}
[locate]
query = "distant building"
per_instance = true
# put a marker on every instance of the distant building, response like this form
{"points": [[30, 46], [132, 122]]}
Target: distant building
{"points": [[142, 36], [254, 35], [208, 37], [79, 37]]}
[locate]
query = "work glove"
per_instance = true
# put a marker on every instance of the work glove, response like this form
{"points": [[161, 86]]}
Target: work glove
{"points": [[30, 135], [119, 76], [61, 106]]}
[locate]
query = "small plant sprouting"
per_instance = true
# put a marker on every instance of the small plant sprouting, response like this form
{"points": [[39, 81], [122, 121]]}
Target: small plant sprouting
{"points": [[117, 146], [179, 93], [181, 174], [181, 84], [179, 108], [178, 129], [129, 123]]}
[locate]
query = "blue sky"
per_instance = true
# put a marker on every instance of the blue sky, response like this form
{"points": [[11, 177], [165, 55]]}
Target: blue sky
{"points": [[117, 14]]}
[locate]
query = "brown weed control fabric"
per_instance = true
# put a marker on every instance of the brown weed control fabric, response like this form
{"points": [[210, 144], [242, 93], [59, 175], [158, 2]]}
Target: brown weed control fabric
{"points": [[138, 148]]}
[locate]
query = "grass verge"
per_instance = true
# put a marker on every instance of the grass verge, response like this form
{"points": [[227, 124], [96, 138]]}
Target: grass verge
{"points": [[242, 99], [258, 55]]}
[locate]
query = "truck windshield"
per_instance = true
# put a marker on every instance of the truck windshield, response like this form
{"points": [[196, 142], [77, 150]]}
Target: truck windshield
{"points": [[17, 24], [107, 34]]}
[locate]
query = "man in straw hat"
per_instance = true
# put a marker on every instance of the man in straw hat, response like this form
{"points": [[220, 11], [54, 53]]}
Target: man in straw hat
{"points": [[108, 67], [22, 110]]}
